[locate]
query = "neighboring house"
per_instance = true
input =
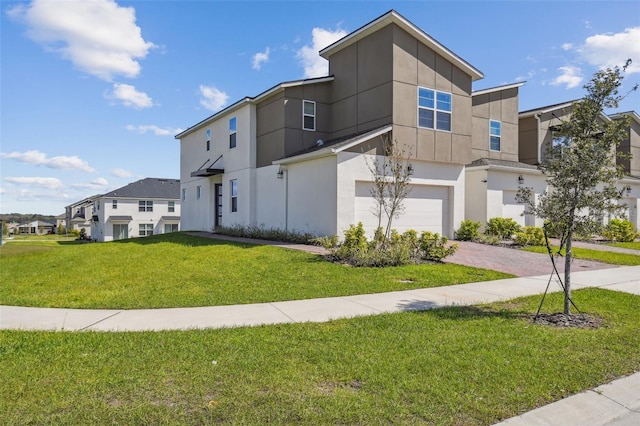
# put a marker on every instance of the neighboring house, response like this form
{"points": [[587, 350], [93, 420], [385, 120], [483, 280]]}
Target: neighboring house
{"points": [[78, 215], [61, 221], [297, 156], [36, 227], [146, 207]]}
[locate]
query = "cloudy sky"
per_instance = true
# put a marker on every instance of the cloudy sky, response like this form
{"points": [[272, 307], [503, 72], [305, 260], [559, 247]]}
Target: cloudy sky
{"points": [[93, 92]]}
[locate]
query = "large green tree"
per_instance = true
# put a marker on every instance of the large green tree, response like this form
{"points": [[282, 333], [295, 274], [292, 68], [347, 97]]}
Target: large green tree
{"points": [[581, 168]]}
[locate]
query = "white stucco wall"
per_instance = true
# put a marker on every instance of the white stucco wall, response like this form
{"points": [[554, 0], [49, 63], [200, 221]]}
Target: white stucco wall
{"points": [[271, 197], [475, 205]]}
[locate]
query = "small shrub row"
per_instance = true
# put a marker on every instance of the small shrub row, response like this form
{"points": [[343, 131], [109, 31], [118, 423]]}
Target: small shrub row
{"points": [[499, 229], [398, 249], [620, 230], [260, 232]]}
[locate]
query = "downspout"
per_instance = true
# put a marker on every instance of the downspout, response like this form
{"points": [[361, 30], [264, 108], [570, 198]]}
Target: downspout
{"points": [[537, 116], [286, 197]]}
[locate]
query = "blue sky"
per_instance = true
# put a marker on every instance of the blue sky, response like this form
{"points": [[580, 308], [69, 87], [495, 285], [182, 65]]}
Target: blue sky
{"points": [[93, 92]]}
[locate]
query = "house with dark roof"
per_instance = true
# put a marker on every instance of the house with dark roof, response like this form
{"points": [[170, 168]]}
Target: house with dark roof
{"points": [[78, 215], [142, 208], [297, 156]]}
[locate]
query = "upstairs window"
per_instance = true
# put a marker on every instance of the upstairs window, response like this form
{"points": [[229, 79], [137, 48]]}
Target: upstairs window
{"points": [[308, 115], [198, 190], [114, 204], [232, 133], [145, 206], [495, 134], [184, 194], [208, 136], [171, 206], [434, 109]]}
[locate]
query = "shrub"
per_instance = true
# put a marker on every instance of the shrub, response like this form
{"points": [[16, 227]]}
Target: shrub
{"points": [[489, 239], [434, 247], [620, 230], [503, 227], [327, 242], [261, 233], [530, 236], [468, 231]]}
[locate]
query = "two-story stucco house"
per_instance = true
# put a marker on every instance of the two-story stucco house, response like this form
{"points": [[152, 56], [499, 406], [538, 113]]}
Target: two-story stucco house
{"points": [[142, 208], [297, 156], [78, 215]]}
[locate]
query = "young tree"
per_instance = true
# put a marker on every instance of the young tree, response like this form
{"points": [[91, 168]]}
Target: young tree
{"points": [[391, 175], [581, 168]]}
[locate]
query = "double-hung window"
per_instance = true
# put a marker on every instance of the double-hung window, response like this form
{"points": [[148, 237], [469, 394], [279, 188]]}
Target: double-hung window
{"points": [[114, 204], [495, 134], [232, 132], [171, 207], [145, 229], [434, 109], [145, 206], [234, 195], [308, 115]]}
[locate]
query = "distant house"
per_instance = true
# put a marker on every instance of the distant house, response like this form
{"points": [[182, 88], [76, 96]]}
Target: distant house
{"points": [[78, 215], [142, 208], [37, 227]]}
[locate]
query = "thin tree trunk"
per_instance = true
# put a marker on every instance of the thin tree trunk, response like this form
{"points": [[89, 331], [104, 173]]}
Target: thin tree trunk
{"points": [[567, 275]]}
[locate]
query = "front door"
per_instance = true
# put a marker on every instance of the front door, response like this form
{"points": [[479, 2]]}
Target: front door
{"points": [[218, 209]]}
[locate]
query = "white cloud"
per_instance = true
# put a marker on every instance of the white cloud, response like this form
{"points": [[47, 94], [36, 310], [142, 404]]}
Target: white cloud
{"points": [[570, 77], [99, 37], [158, 131], [609, 50], [314, 65], [260, 58], [41, 182], [96, 184], [38, 158], [212, 98], [567, 46], [121, 173], [129, 96]]}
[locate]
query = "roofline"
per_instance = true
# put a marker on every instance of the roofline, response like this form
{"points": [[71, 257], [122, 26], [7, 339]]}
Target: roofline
{"points": [[332, 150], [252, 100], [634, 115], [545, 109], [523, 170], [393, 17], [498, 88]]}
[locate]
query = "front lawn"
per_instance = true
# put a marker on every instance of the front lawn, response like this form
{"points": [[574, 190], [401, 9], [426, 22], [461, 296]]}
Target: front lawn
{"points": [[596, 255], [178, 270], [634, 245], [457, 365]]}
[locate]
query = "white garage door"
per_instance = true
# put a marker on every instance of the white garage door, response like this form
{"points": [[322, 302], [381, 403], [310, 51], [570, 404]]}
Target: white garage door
{"points": [[511, 208], [426, 209]]}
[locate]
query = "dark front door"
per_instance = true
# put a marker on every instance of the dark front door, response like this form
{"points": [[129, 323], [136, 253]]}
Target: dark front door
{"points": [[218, 210]]}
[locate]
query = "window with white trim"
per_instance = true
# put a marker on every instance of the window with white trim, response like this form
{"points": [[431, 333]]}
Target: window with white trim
{"points": [[114, 204], [495, 135], [308, 115], [170, 227], [434, 109], [234, 195], [145, 206], [145, 229], [232, 132], [171, 206]]}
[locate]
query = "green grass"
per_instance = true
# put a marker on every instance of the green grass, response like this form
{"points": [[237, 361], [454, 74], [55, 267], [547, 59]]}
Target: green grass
{"points": [[458, 365], [177, 270], [596, 255], [44, 237], [634, 245]]}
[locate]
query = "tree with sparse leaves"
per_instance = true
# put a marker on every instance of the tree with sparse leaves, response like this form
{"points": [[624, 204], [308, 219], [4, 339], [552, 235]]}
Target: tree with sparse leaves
{"points": [[391, 176], [581, 169]]}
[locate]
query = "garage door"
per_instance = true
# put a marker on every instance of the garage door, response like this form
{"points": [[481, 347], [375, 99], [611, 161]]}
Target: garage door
{"points": [[511, 208], [426, 209]]}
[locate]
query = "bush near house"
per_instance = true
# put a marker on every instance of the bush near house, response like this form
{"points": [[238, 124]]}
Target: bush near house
{"points": [[502, 227], [468, 231], [620, 230], [398, 249], [530, 236], [260, 232]]}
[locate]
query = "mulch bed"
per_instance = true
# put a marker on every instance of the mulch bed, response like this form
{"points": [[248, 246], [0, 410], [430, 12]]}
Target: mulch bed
{"points": [[568, 321]]}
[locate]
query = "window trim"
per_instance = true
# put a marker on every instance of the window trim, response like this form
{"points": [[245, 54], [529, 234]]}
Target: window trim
{"points": [[491, 136], [171, 206], [233, 132], [114, 204], [304, 115], [234, 195], [146, 207], [435, 109], [146, 229]]}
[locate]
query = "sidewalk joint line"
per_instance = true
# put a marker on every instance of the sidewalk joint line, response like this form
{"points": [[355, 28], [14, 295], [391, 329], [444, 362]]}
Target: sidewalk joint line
{"points": [[99, 321], [282, 312]]}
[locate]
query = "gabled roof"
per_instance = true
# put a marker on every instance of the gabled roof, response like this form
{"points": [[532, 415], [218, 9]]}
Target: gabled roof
{"points": [[634, 115], [85, 201], [497, 88], [166, 189], [393, 17], [252, 100], [545, 109]]}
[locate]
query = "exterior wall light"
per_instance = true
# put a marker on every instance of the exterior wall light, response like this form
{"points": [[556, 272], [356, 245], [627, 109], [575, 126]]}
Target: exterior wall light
{"points": [[628, 188], [280, 173], [410, 170], [520, 180]]}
